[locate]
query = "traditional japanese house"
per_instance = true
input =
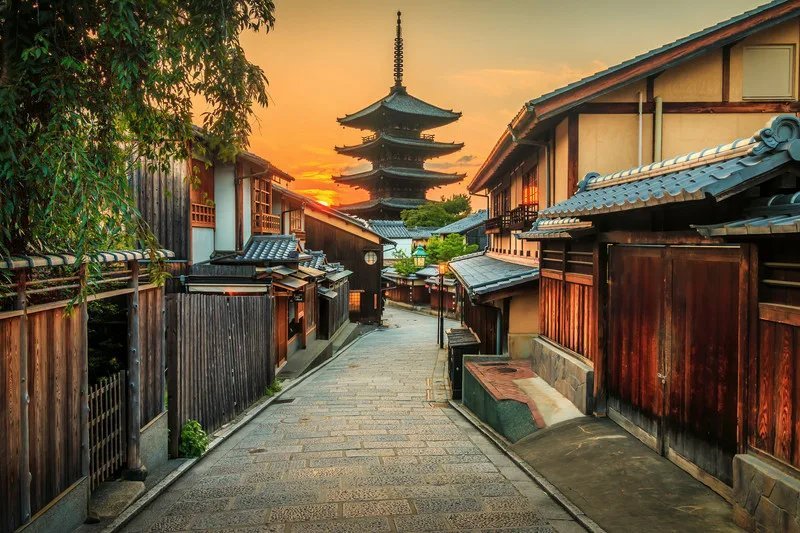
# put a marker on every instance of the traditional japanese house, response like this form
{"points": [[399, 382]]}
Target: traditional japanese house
{"points": [[450, 302], [346, 240], [717, 84], [401, 240], [678, 282], [397, 149], [409, 289], [472, 228]]}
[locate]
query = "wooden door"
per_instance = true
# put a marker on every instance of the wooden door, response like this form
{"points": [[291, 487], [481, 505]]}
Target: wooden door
{"points": [[636, 308], [703, 351], [281, 327]]}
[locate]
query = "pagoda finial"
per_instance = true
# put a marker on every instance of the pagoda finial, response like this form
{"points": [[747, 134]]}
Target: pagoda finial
{"points": [[398, 55]]}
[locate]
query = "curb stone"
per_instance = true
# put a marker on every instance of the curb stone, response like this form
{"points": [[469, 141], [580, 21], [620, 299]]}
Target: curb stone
{"points": [[551, 490], [139, 505]]}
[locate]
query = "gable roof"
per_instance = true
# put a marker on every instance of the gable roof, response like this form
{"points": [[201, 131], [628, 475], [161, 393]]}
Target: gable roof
{"points": [[271, 248], [559, 101], [467, 223], [391, 229], [482, 274], [717, 173]]}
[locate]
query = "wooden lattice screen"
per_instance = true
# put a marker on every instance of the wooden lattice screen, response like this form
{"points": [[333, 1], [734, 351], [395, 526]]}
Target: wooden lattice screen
{"points": [[107, 428]]}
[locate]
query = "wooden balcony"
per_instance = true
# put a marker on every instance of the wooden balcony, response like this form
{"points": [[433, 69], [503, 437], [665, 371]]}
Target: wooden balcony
{"points": [[203, 216], [523, 216], [494, 225], [263, 223]]}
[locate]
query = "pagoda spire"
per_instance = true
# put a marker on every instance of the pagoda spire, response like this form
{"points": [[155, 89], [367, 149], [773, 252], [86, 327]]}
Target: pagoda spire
{"points": [[398, 55]]}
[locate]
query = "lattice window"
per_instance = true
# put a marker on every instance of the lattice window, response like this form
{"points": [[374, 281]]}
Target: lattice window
{"points": [[530, 188], [263, 221], [355, 301], [202, 195]]}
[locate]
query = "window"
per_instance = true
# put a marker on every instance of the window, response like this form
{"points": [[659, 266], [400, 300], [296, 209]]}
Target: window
{"points": [[768, 72], [355, 301], [260, 198], [500, 202], [530, 188], [370, 258], [202, 195]]}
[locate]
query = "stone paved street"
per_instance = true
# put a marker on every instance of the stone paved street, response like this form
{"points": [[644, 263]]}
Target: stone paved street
{"points": [[364, 445]]}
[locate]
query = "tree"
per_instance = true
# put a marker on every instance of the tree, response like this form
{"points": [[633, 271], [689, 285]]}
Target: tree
{"points": [[438, 214], [403, 264], [441, 250], [88, 86]]}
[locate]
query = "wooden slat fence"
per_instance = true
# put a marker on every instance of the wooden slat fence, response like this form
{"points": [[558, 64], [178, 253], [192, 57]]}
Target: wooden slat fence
{"points": [[107, 439], [151, 339], [567, 315], [9, 424], [219, 357]]}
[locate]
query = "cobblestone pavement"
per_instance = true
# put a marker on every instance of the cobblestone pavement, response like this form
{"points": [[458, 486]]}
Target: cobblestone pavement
{"points": [[365, 444]]}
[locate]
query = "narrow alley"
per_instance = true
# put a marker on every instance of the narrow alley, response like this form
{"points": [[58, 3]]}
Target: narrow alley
{"points": [[365, 444]]}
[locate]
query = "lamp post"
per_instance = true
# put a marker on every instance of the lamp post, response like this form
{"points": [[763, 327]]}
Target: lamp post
{"points": [[442, 272], [420, 256]]}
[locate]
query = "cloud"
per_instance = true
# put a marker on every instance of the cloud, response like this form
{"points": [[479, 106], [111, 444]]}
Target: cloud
{"points": [[533, 82], [464, 159], [324, 196]]}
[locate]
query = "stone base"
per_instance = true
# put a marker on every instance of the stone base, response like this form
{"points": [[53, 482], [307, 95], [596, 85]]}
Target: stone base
{"points": [[65, 513], [570, 376], [113, 497], [154, 443], [766, 498]]}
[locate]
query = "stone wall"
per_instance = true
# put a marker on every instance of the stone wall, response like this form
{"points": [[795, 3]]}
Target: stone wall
{"points": [[154, 443], [520, 345], [570, 376], [766, 498]]}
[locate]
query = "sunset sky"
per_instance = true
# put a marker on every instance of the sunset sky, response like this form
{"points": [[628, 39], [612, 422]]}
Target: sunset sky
{"points": [[326, 58]]}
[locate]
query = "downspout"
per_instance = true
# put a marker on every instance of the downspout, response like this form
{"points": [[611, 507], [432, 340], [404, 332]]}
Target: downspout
{"points": [[658, 120]]}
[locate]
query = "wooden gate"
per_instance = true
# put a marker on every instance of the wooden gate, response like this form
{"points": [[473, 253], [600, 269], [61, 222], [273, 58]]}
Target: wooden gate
{"points": [[107, 421], [676, 328]]}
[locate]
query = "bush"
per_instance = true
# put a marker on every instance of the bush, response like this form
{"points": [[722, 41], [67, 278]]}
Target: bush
{"points": [[194, 441], [274, 388]]}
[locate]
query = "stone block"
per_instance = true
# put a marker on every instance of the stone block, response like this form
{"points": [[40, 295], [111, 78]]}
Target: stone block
{"points": [[570, 376], [766, 497]]}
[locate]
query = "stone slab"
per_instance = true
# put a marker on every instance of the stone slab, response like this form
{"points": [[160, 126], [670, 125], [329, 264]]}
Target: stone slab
{"points": [[570, 376], [112, 497], [767, 497]]}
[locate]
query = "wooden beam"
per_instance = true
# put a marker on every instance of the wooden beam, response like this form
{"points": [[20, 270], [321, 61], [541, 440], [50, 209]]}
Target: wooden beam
{"points": [[782, 314], [657, 237], [572, 154], [726, 73], [632, 108], [24, 420], [650, 88]]}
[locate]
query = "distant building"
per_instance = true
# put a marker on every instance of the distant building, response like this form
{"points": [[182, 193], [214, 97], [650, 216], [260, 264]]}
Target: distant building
{"points": [[397, 149], [471, 227]]}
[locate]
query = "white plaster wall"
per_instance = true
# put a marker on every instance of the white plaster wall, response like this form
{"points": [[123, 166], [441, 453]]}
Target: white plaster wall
{"points": [[202, 244], [225, 201], [247, 210], [400, 244]]}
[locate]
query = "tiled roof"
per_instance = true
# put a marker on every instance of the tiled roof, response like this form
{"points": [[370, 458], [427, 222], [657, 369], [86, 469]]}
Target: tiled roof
{"points": [[386, 139], [51, 260], [401, 102], [391, 229], [271, 248], [556, 228], [421, 232], [717, 172], [482, 274], [778, 214], [465, 224], [428, 271], [411, 174], [317, 260], [396, 203]]}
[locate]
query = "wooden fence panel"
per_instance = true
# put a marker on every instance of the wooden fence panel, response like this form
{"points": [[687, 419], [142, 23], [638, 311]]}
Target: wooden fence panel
{"points": [[151, 341], [218, 349], [107, 425], [55, 361], [568, 314], [10, 438]]}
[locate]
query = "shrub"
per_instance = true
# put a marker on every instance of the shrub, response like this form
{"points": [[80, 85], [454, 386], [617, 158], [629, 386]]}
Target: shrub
{"points": [[274, 388], [194, 441]]}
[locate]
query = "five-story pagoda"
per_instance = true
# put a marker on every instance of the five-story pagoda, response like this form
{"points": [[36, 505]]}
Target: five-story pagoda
{"points": [[397, 149]]}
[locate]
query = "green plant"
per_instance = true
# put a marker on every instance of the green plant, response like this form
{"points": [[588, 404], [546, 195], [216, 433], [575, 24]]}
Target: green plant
{"points": [[194, 439], [403, 264], [441, 250], [438, 214], [274, 388]]}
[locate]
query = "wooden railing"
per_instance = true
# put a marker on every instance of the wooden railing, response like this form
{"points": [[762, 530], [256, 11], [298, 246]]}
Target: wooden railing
{"points": [[524, 215], [494, 225], [401, 133], [107, 422], [266, 224], [203, 216]]}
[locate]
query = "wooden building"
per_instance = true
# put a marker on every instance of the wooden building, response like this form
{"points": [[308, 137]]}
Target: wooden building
{"points": [[397, 149], [720, 83], [677, 283]]}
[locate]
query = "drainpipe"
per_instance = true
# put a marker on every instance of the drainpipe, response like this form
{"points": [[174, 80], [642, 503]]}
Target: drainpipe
{"points": [[658, 119]]}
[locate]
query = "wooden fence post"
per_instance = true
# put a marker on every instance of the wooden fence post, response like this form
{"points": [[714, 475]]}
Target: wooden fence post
{"points": [[24, 424], [135, 470], [84, 388]]}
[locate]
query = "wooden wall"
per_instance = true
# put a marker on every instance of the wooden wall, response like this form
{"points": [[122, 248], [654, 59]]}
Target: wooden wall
{"points": [[210, 336], [151, 339], [482, 319], [163, 199], [9, 424], [341, 246]]}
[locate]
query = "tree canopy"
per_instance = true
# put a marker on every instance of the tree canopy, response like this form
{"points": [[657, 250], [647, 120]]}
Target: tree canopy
{"points": [[438, 214], [441, 250], [403, 264], [89, 86]]}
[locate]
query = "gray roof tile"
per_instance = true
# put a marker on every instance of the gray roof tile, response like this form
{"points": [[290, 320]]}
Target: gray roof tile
{"points": [[391, 229], [465, 224], [481, 274], [271, 248]]}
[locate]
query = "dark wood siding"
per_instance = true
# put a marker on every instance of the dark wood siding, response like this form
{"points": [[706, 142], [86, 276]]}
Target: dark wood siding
{"points": [[343, 247], [10, 439], [163, 198], [151, 339], [482, 319]]}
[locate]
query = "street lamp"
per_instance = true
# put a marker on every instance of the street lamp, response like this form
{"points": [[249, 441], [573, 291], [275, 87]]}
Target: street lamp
{"points": [[442, 271], [420, 256]]}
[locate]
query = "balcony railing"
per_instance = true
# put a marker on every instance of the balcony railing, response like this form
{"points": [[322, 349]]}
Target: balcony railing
{"points": [[401, 133], [203, 216], [523, 216], [494, 225], [263, 223]]}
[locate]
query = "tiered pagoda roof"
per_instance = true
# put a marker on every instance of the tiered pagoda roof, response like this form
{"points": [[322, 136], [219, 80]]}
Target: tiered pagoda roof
{"points": [[397, 148]]}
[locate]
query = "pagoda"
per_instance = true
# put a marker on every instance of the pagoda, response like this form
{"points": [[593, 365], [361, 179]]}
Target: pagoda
{"points": [[397, 149]]}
